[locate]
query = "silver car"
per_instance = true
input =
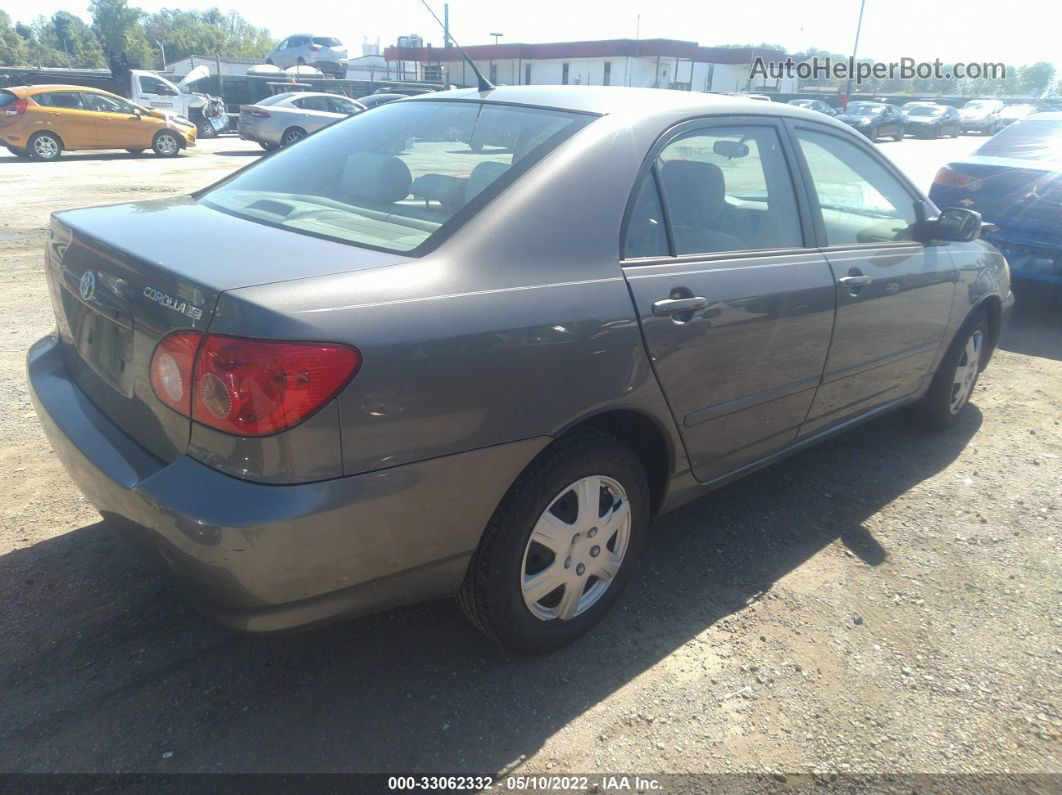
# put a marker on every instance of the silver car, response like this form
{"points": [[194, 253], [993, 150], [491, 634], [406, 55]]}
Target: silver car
{"points": [[381, 366], [325, 53], [283, 119]]}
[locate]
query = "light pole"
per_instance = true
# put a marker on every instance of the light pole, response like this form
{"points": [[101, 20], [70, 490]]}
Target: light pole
{"points": [[855, 49], [497, 36], [159, 43]]}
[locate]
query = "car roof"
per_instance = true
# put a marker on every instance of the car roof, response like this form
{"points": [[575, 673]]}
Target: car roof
{"points": [[29, 91], [605, 100]]}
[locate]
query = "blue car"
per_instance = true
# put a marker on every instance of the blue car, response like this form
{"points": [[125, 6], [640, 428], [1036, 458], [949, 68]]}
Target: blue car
{"points": [[1015, 181]]}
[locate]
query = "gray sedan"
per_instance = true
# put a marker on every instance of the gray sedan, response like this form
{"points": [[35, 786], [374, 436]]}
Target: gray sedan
{"points": [[393, 366], [283, 119]]}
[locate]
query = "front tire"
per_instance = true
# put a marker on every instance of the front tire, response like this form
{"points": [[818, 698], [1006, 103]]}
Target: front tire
{"points": [[957, 374], [560, 546], [166, 144], [45, 147]]}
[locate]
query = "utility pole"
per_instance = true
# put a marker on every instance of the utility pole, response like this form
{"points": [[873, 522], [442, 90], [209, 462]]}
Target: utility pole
{"points": [[447, 42], [855, 49]]}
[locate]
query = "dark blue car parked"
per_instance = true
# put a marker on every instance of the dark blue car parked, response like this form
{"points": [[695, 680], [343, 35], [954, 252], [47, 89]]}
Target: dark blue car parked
{"points": [[1015, 181]]}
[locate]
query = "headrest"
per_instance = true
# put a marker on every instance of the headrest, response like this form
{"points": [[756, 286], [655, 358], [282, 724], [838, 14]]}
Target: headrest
{"points": [[482, 176], [376, 177], [696, 192]]}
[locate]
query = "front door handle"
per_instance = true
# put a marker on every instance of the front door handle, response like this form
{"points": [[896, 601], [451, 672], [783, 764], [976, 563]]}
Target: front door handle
{"points": [[673, 306], [854, 281]]}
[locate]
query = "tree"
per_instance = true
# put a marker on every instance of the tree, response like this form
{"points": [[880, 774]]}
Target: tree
{"points": [[209, 32], [13, 50], [64, 40], [120, 32], [1036, 78]]}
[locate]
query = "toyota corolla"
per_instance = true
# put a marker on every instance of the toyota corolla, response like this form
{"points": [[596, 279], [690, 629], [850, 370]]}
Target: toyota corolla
{"points": [[399, 363]]}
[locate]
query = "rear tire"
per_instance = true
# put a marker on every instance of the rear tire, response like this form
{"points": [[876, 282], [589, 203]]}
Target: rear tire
{"points": [[957, 374], [546, 502], [899, 135], [45, 147], [291, 135], [204, 129], [267, 147], [166, 144]]}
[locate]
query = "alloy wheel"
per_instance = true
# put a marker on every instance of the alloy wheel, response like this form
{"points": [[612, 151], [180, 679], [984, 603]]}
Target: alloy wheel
{"points": [[167, 144], [576, 549], [45, 147], [966, 372]]}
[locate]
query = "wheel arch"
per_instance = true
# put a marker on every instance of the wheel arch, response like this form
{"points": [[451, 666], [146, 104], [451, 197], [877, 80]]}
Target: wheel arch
{"points": [[643, 434], [48, 131], [992, 307]]}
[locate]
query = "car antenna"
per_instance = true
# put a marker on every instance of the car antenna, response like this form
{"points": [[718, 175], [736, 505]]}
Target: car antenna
{"points": [[484, 83]]}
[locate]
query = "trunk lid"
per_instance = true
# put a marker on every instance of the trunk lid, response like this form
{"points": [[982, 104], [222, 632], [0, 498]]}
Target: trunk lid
{"points": [[1014, 194], [124, 276]]}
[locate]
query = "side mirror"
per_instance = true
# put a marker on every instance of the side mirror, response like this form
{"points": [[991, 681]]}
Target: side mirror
{"points": [[955, 224]]}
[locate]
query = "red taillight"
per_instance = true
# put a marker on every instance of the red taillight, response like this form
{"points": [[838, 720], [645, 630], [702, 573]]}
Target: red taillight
{"points": [[945, 176], [16, 108], [954, 179], [251, 387], [258, 114]]}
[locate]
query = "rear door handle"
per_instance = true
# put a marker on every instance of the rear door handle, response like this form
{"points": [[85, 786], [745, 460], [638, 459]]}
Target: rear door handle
{"points": [[672, 306]]}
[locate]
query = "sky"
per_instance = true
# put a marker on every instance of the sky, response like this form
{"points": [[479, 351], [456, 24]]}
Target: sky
{"points": [[1012, 31]]}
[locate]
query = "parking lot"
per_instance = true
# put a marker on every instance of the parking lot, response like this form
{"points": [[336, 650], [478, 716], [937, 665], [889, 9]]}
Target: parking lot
{"points": [[886, 601]]}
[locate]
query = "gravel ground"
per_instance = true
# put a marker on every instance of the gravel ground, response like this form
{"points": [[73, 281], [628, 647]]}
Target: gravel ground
{"points": [[886, 602]]}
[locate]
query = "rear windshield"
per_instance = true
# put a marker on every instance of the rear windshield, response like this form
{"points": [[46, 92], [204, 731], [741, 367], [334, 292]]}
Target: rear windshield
{"points": [[6, 98], [275, 98], [861, 109], [326, 41], [401, 178], [1035, 139]]}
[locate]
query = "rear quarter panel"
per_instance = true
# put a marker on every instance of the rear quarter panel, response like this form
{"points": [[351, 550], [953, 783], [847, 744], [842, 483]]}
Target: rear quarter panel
{"points": [[516, 327]]}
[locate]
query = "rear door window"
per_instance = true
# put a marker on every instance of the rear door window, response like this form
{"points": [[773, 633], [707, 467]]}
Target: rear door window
{"points": [[70, 100], [729, 189], [6, 98], [326, 41], [313, 103]]}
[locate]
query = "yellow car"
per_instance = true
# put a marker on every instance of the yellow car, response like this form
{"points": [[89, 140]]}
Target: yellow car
{"points": [[41, 121]]}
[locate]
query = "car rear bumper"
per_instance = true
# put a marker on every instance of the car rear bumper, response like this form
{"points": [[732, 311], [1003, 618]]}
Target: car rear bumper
{"points": [[265, 558], [1030, 257], [330, 66]]}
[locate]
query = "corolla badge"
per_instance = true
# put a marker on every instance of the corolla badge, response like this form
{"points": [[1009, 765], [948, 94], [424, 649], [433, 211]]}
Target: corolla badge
{"points": [[176, 304], [87, 285]]}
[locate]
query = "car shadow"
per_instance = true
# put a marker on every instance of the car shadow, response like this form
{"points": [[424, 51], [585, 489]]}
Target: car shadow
{"points": [[8, 159], [245, 152], [1035, 327], [105, 668]]}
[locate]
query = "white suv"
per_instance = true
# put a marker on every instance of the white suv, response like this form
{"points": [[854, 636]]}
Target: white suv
{"points": [[325, 53]]}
